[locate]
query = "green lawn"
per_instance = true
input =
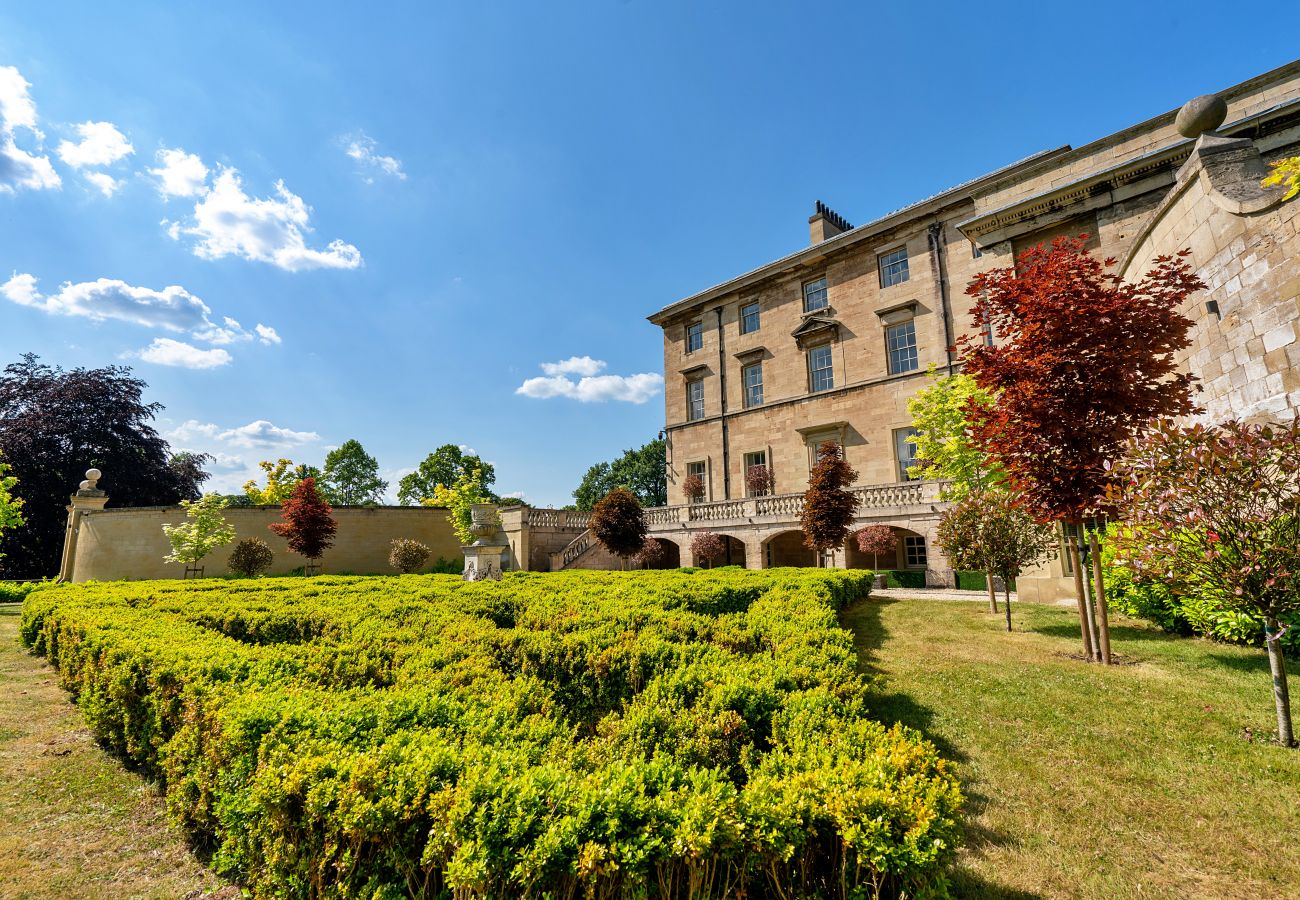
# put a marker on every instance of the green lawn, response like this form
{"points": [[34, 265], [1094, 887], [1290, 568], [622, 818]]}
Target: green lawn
{"points": [[73, 822], [1138, 780]]}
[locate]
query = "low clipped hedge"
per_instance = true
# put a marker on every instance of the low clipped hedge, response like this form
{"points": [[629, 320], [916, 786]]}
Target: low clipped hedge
{"points": [[904, 578], [579, 734]]}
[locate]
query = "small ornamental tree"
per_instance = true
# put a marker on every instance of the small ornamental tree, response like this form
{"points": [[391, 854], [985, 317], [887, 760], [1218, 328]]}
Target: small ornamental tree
{"points": [[307, 524], [251, 557], [650, 554], [205, 530], [988, 531], [878, 540], [693, 488], [1083, 363], [942, 414], [618, 522], [828, 507], [1215, 512], [407, 555], [759, 481], [11, 507], [706, 547]]}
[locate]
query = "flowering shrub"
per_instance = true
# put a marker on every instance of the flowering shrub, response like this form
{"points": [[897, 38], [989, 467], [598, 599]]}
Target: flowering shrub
{"points": [[650, 554], [567, 734], [693, 488]]}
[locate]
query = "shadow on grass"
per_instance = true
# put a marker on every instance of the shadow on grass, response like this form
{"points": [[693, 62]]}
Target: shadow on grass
{"points": [[1117, 633], [863, 619], [1256, 662], [966, 883]]}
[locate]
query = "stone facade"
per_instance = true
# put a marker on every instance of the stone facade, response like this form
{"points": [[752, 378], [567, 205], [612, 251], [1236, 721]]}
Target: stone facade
{"points": [[1138, 194]]}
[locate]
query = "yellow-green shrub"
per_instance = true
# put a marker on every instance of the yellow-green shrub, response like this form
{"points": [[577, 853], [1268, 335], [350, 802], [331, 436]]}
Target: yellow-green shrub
{"points": [[604, 734]]}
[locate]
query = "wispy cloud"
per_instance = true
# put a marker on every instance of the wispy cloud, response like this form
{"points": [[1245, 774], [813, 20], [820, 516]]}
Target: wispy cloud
{"points": [[167, 352], [20, 168], [180, 174], [172, 309], [228, 222], [365, 150], [590, 387]]}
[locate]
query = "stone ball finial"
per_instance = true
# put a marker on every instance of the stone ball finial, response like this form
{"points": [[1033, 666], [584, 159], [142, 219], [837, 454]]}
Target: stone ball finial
{"points": [[84, 486], [1201, 114], [93, 475]]}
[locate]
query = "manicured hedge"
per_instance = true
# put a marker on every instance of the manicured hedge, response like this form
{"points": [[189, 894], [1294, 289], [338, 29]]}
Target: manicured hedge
{"points": [[584, 734], [904, 578], [976, 581]]}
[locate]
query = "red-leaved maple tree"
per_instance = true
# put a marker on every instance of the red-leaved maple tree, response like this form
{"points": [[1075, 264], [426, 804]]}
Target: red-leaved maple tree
{"points": [[1083, 362], [307, 524]]}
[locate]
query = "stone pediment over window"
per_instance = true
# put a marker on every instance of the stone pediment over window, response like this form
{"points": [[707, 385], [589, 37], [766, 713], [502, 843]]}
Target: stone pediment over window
{"points": [[694, 371], [815, 330], [753, 353], [898, 313]]}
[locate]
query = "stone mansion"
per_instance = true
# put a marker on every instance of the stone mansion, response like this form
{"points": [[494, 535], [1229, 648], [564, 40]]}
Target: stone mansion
{"points": [[830, 341]]}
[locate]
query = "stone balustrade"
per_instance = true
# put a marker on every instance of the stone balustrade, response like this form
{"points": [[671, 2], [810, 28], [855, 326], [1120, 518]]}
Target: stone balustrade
{"points": [[906, 496]]}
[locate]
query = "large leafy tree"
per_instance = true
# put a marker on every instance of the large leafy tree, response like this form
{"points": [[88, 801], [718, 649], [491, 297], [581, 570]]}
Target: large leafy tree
{"points": [[828, 505], [306, 522], [618, 522], [643, 471], [1215, 513], [282, 476], [11, 507], [445, 466], [469, 488], [351, 476], [1083, 363], [942, 413], [55, 424]]}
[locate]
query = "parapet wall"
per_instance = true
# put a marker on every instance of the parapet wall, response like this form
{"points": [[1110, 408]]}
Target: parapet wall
{"points": [[115, 544]]}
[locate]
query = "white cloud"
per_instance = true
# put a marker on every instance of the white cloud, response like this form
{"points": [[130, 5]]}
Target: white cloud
{"points": [[181, 174], [228, 222], [574, 365], [106, 183], [20, 168], [191, 431], [166, 352], [101, 144], [364, 149], [590, 388], [171, 309], [262, 433]]}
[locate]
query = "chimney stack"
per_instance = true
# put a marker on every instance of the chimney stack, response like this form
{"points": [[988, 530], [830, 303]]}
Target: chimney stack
{"points": [[826, 223]]}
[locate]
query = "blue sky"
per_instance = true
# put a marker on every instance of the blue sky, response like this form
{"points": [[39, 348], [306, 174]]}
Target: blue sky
{"points": [[407, 210]]}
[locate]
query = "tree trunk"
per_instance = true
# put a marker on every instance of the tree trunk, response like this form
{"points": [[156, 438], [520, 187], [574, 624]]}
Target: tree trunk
{"points": [[1103, 612], [1092, 613], [1072, 546], [993, 595], [1006, 600], [1281, 697]]}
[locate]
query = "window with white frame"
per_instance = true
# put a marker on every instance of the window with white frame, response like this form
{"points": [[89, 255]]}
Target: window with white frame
{"points": [[821, 371], [694, 336], [749, 314], [814, 295], [753, 461], [900, 341], [751, 376], [701, 471], [904, 452], [695, 399], [893, 267], [914, 550]]}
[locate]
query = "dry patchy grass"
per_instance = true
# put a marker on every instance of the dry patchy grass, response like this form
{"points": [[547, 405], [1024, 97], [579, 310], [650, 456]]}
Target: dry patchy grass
{"points": [[1148, 779], [73, 822]]}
